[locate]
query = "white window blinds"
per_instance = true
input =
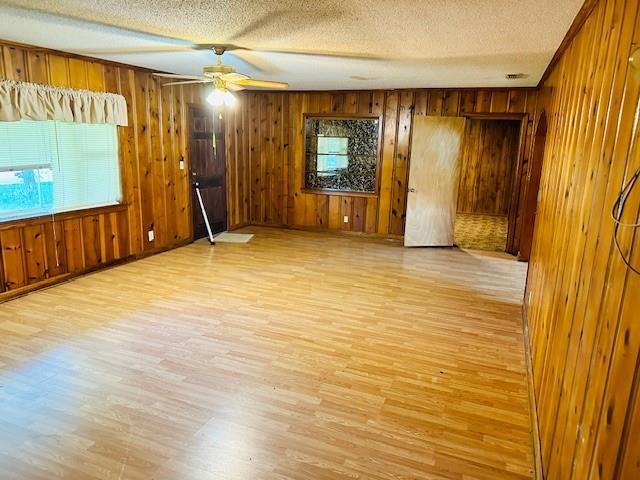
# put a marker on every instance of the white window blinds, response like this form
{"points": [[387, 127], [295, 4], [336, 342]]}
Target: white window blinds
{"points": [[25, 144], [49, 166]]}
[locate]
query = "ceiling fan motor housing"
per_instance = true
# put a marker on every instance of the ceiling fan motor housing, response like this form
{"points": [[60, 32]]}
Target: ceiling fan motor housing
{"points": [[217, 70]]}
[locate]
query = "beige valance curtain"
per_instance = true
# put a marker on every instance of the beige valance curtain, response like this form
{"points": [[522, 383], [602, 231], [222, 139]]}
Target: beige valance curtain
{"points": [[30, 101]]}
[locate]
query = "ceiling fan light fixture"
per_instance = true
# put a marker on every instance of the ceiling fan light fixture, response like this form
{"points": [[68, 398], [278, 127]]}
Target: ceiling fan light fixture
{"points": [[219, 97]]}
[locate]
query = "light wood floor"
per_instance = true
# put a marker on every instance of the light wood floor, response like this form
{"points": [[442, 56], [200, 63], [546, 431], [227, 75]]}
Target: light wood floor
{"points": [[299, 355]]}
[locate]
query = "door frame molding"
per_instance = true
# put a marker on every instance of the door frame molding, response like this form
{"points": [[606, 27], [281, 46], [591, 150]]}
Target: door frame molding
{"points": [[514, 202], [530, 206]]}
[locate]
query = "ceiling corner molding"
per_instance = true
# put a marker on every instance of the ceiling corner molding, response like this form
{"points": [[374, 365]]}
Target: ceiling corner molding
{"points": [[574, 29]]}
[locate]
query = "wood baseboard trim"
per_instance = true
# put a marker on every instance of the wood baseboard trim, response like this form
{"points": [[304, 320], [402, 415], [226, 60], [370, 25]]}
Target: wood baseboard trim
{"points": [[538, 472], [68, 277], [302, 228], [239, 226]]}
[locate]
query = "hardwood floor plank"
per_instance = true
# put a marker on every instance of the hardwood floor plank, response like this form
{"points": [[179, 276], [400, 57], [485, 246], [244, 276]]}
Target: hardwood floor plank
{"points": [[297, 355]]}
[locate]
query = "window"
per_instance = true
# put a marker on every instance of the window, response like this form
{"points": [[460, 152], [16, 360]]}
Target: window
{"points": [[341, 154], [48, 167], [332, 157]]}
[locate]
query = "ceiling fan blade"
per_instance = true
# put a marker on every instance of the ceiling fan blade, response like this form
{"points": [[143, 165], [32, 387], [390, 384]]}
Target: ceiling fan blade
{"points": [[188, 82], [233, 77], [176, 75], [262, 84], [233, 87], [134, 50]]}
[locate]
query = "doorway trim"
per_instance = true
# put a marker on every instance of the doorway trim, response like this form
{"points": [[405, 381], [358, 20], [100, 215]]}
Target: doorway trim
{"points": [[514, 202], [532, 187]]}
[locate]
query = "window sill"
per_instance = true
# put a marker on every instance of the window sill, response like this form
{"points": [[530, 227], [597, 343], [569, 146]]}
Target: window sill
{"points": [[83, 212], [341, 193]]}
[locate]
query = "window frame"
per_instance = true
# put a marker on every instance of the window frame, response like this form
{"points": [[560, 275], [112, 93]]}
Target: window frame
{"points": [[38, 216], [31, 212], [342, 116]]}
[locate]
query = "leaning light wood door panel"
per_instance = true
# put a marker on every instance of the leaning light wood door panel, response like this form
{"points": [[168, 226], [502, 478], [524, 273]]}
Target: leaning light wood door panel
{"points": [[436, 148]]}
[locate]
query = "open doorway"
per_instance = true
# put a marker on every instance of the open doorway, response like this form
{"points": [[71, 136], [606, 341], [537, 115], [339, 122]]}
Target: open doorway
{"points": [[485, 209], [207, 160]]}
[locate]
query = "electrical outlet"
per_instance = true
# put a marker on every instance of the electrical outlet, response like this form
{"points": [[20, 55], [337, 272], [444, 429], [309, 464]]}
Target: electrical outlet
{"points": [[181, 164], [151, 235], [346, 219]]}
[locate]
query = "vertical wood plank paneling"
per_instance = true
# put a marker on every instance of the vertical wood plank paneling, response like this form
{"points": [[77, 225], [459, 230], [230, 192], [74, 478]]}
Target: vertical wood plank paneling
{"points": [[555, 352], [488, 166], [451, 104], [232, 165], [279, 154], [78, 73], [346, 212], [483, 101], [108, 232], [34, 253], [37, 66], [435, 102], [420, 102], [95, 76], [154, 189], [129, 160], [468, 101], [169, 163], [14, 274], [73, 245], [267, 159], [335, 212], [401, 164], [91, 241], [582, 297], [15, 64], [499, 101], [58, 70], [55, 250], [254, 156], [390, 129], [145, 156], [359, 210], [517, 101], [122, 235], [183, 186], [286, 142], [157, 191], [265, 150], [350, 102], [157, 164]]}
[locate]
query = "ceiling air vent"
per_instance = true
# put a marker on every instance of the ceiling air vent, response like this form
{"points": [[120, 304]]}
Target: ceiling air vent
{"points": [[515, 76]]}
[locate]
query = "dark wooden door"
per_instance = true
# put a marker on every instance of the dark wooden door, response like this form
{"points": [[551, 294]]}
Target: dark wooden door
{"points": [[206, 149]]}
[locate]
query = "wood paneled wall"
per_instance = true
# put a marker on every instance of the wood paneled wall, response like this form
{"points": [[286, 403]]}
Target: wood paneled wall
{"points": [[582, 302], [156, 192], [265, 153], [489, 159]]}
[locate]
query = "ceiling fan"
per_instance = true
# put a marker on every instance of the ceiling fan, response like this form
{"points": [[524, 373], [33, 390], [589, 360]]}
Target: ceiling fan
{"points": [[223, 77]]}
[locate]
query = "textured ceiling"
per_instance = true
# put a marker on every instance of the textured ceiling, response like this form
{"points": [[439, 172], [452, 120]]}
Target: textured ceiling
{"points": [[402, 43]]}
